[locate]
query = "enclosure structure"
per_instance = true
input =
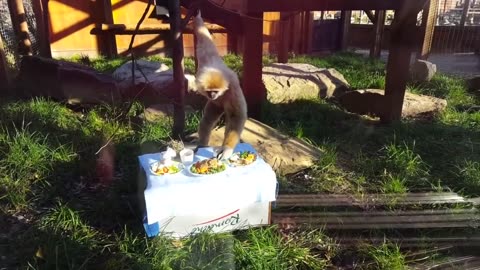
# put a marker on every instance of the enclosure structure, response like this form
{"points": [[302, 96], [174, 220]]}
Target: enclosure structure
{"points": [[244, 24], [401, 48]]}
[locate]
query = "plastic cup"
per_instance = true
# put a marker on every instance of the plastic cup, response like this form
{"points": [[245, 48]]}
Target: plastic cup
{"points": [[186, 156]]}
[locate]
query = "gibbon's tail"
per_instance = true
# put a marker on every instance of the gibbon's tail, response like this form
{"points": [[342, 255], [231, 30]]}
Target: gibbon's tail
{"points": [[206, 49]]}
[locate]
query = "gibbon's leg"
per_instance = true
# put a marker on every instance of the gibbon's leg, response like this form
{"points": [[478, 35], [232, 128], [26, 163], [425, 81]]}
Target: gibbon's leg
{"points": [[235, 122], [211, 115]]}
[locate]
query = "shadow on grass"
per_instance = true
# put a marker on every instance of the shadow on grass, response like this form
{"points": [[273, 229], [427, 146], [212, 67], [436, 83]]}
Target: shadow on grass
{"points": [[447, 150]]}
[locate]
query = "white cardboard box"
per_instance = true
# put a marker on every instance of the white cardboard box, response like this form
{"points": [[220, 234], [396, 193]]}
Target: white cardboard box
{"points": [[254, 215]]}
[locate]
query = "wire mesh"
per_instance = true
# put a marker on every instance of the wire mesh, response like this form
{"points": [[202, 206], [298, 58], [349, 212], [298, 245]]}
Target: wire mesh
{"points": [[8, 36], [457, 27]]}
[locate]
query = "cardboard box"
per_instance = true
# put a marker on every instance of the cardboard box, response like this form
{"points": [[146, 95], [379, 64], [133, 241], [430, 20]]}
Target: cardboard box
{"points": [[254, 215]]}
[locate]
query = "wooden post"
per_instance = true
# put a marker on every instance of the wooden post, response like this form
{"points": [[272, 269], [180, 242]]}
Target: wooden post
{"points": [[379, 26], [466, 8], [253, 88], [19, 20], [42, 28], [427, 28], [108, 41], [398, 65], [178, 75], [284, 37], [232, 42], [308, 32], [4, 76], [345, 21]]}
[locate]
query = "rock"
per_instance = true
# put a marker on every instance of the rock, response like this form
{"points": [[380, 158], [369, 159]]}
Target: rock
{"points": [[286, 155], [422, 71], [290, 82], [156, 86], [158, 112], [65, 81], [473, 85], [370, 101], [149, 68]]}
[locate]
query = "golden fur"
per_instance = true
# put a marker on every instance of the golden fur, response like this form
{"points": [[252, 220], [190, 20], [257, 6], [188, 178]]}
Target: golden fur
{"points": [[222, 88]]}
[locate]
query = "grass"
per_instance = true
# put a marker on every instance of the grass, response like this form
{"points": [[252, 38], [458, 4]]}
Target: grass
{"points": [[49, 176]]}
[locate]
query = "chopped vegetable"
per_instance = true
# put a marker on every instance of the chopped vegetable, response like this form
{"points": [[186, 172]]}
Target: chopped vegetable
{"points": [[208, 166]]}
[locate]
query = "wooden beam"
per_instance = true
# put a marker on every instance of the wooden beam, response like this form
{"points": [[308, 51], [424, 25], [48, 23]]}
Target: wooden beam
{"points": [[345, 21], [253, 88], [379, 26], [4, 75], [122, 29], [315, 5], [19, 20], [372, 17], [284, 37], [398, 65], [466, 8], [178, 68], [427, 29]]}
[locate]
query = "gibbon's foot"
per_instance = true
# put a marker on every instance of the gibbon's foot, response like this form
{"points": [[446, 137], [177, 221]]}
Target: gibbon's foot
{"points": [[198, 147], [224, 153]]}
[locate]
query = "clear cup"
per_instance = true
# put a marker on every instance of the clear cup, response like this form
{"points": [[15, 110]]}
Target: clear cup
{"points": [[186, 156]]}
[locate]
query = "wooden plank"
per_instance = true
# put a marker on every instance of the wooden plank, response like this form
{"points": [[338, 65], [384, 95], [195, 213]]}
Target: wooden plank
{"points": [[284, 37], [315, 5], [344, 31], [427, 28], [379, 27], [253, 88], [457, 241], [178, 68], [329, 200], [19, 20], [381, 219], [398, 63]]}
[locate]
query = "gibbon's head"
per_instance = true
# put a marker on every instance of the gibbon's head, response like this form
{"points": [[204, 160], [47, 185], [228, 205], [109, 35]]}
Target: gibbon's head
{"points": [[212, 84]]}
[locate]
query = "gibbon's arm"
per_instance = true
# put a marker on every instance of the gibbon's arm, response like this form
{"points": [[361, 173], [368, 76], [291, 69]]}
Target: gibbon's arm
{"points": [[206, 50], [211, 116]]}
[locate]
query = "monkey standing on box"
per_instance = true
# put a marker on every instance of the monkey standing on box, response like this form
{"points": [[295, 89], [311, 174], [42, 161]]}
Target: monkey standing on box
{"points": [[222, 88]]}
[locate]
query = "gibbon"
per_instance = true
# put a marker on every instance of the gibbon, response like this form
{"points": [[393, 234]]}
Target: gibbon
{"points": [[221, 86]]}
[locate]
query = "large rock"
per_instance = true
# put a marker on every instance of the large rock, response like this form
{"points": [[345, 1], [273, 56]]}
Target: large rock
{"points": [[422, 71], [289, 82], [286, 155], [65, 81], [371, 102], [153, 84], [473, 85]]}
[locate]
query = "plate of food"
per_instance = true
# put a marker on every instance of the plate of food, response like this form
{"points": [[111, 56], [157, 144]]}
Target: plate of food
{"points": [[242, 158], [207, 167], [165, 168]]}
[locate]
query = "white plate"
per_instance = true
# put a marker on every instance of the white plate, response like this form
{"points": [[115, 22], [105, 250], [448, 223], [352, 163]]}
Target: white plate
{"points": [[197, 174], [177, 164], [240, 165]]}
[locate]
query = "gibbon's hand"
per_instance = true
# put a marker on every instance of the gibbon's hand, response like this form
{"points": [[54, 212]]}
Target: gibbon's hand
{"points": [[224, 153]]}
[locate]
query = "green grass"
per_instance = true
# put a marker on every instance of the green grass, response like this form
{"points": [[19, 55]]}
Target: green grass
{"points": [[48, 174]]}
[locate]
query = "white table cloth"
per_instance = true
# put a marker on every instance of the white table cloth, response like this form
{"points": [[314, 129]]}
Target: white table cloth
{"points": [[183, 194]]}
